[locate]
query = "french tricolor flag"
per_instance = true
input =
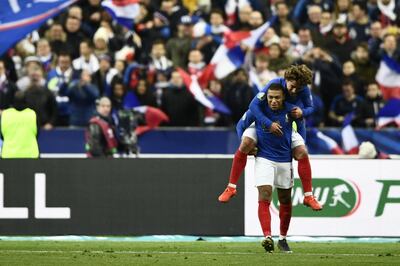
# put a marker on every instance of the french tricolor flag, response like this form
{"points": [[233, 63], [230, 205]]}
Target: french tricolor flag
{"points": [[389, 113], [323, 141], [388, 77], [193, 85], [153, 117], [349, 138], [229, 55], [123, 11]]}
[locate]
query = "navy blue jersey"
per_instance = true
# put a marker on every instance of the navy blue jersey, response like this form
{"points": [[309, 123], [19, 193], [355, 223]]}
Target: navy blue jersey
{"points": [[271, 147]]}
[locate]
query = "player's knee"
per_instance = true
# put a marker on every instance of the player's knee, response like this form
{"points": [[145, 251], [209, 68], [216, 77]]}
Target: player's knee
{"points": [[300, 152], [247, 145], [264, 193]]}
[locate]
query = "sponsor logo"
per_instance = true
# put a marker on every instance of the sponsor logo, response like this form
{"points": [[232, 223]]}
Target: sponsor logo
{"points": [[340, 198]]}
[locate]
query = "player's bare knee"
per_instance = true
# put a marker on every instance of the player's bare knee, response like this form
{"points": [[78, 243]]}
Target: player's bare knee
{"points": [[300, 152], [264, 193], [247, 145]]}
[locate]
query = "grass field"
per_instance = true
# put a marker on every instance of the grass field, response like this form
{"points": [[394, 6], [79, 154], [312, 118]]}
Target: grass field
{"points": [[193, 253]]}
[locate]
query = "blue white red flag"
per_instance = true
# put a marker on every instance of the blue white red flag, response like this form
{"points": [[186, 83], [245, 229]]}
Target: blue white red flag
{"points": [[153, 117], [389, 113], [323, 142], [123, 11], [349, 138], [388, 77], [20, 17], [193, 86], [229, 55]]}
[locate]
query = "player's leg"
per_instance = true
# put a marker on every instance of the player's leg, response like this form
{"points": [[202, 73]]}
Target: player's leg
{"points": [[247, 145], [300, 153], [264, 173], [285, 215], [284, 183]]}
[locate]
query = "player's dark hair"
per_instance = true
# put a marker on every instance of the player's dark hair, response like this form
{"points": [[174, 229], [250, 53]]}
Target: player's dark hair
{"points": [[276, 87], [299, 73]]}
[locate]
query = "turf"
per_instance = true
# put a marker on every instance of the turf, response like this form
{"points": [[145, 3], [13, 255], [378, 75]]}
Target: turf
{"points": [[193, 253]]}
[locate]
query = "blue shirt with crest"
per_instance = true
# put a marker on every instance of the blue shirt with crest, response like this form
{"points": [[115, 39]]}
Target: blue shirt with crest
{"points": [[271, 147]]}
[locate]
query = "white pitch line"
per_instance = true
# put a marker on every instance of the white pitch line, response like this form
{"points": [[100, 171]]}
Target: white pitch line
{"points": [[191, 253]]}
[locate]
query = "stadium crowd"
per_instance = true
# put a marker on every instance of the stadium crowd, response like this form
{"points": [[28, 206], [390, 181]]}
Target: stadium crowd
{"points": [[82, 55]]}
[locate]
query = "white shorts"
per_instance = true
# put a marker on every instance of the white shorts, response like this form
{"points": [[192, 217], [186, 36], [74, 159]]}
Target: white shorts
{"points": [[273, 174], [250, 132]]}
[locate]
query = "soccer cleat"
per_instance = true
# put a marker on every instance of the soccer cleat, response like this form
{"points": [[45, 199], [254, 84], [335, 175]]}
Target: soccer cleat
{"points": [[312, 202], [268, 244], [283, 246], [228, 193]]}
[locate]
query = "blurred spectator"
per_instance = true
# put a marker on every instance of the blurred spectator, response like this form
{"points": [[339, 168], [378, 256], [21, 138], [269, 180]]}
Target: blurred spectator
{"points": [[390, 11], [41, 99], [92, 10], [74, 35], [326, 25], [286, 46], [7, 88], [144, 94], [196, 64], [158, 58], [349, 74], [375, 40], [179, 46], [82, 96], [359, 26], [57, 38], [19, 130], [103, 76], [101, 39], [367, 112], [281, 18], [276, 59], [365, 69], [327, 74], [60, 77], [238, 94], [87, 60], [242, 23], [305, 42], [179, 104], [390, 51], [344, 104], [101, 135], [118, 93], [173, 12], [45, 55], [256, 19], [314, 19], [340, 44], [260, 74], [34, 73], [301, 8], [342, 10]]}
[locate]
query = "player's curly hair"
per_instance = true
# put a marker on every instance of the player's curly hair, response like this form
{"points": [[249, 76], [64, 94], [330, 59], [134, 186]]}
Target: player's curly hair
{"points": [[300, 73]]}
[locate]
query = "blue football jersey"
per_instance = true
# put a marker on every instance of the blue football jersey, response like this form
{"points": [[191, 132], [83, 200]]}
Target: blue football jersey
{"points": [[271, 147]]}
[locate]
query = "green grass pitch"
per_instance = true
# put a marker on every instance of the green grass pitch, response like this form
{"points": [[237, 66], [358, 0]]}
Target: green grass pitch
{"points": [[193, 253]]}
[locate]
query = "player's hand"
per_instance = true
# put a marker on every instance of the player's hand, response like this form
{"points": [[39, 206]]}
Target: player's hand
{"points": [[276, 129], [253, 151], [296, 113]]}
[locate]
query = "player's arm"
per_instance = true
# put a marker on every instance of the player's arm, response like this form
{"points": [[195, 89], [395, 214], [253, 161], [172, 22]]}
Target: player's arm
{"points": [[308, 106]]}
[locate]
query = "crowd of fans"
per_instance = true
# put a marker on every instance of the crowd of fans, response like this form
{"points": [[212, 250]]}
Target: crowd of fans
{"points": [[82, 55]]}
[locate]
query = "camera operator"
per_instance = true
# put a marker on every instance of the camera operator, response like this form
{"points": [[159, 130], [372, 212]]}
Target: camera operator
{"points": [[101, 139]]}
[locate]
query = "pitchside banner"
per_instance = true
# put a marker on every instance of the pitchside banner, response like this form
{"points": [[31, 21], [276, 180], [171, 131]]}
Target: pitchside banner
{"points": [[360, 198]]}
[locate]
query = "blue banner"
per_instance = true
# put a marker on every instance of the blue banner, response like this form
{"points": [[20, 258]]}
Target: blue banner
{"points": [[20, 17]]}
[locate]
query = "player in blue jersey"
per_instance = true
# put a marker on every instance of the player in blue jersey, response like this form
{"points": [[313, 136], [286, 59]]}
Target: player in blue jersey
{"points": [[273, 165], [297, 93]]}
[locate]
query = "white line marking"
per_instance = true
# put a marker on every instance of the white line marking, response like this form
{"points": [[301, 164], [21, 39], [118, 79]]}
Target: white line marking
{"points": [[189, 252]]}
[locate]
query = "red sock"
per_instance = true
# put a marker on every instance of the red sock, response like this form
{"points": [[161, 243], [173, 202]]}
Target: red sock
{"points": [[238, 165], [264, 216], [285, 214], [304, 170]]}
